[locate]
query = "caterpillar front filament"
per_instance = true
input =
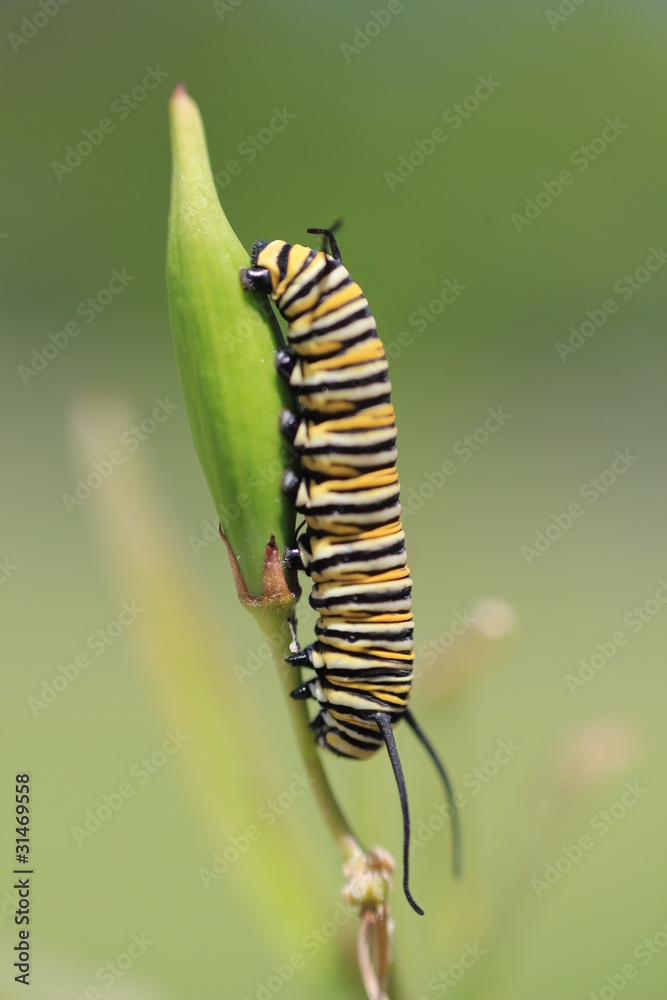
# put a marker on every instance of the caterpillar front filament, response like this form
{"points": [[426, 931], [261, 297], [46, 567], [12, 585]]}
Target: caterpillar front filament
{"points": [[353, 546]]}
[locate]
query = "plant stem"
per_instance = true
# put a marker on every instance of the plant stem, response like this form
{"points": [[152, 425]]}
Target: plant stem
{"points": [[274, 613], [280, 637]]}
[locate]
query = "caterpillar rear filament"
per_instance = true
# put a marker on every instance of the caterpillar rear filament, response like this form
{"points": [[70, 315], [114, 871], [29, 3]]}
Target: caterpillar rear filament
{"points": [[353, 546]]}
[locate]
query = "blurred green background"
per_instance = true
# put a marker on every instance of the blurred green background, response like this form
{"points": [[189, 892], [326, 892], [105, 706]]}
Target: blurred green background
{"points": [[360, 100]]}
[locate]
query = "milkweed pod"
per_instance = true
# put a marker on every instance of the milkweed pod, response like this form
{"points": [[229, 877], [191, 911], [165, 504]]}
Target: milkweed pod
{"points": [[224, 342]]}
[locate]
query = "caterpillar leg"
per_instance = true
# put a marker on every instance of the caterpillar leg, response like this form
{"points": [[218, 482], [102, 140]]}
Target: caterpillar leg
{"points": [[285, 361], [299, 694], [311, 689], [255, 279], [302, 659], [293, 558], [298, 557], [289, 425], [289, 484], [383, 721]]}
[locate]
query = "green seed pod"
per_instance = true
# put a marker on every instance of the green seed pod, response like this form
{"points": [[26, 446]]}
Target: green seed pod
{"points": [[225, 340]]}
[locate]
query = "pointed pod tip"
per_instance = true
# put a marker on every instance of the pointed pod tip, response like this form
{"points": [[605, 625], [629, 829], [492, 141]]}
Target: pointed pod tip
{"points": [[273, 577], [275, 588], [241, 589], [180, 103]]}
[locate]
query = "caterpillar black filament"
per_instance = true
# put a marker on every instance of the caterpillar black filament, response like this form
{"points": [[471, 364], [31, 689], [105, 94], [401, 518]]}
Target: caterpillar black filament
{"points": [[353, 546]]}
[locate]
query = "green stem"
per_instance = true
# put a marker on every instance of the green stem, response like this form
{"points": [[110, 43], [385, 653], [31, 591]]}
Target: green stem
{"points": [[274, 613], [279, 634]]}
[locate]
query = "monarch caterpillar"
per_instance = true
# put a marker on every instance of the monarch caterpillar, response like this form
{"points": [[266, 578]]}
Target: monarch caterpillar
{"points": [[353, 546]]}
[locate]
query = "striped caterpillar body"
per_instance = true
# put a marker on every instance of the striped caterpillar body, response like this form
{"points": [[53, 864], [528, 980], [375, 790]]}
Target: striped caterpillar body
{"points": [[353, 547]]}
